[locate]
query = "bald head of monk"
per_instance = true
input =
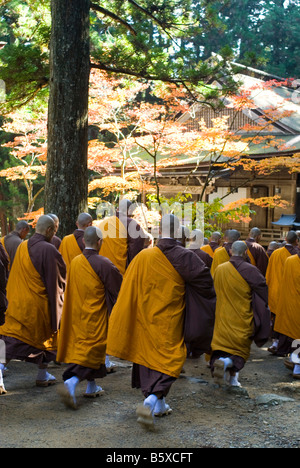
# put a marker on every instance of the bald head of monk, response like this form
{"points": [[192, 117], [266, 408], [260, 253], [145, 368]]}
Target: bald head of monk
{"points": [[233, 235], [22, 228], [93, 238], [239, 249], [197, 239], [169, 226], [216, 237], [84, 220], [255, 234], [55, 219], [46, 227], [292, 238]]}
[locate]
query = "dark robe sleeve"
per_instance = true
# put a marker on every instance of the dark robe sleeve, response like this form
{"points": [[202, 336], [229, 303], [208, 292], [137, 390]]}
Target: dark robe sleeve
{"points": [[108, 274], [50, 265], [260, 256], [200, 296], [205, 257], [136, 240], [261, 311]]}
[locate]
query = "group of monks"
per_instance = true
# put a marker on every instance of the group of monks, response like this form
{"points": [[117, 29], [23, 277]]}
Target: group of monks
{"points": [[108, 289]]}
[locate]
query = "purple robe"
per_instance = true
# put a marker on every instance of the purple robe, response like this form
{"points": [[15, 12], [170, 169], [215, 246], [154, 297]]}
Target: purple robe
{"points": [[50, 265], [259, 254]]}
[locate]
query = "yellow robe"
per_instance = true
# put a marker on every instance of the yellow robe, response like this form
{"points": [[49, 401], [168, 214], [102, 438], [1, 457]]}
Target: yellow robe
{"points": [[274, 276], [146, 324], [83, 331], [220, 256], [114, 245], [207, 248], [3, 243], [234, 324], [288, 311], [69, 249], [28, 316]]}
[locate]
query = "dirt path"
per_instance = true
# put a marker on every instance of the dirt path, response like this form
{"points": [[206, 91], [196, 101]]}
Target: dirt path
{"points": [[204, 415]]}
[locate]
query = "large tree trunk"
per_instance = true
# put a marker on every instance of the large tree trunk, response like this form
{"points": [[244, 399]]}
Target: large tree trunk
{"points": [[66, 178]]}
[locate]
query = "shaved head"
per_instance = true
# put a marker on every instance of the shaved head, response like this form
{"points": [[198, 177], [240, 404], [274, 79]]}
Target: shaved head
{"points": [[169, 226], [255, 233], [84, 220], [292, 237], [196, 238], [45, 226], [239, 249], [216, 236], [92, 236], [233, 235]]}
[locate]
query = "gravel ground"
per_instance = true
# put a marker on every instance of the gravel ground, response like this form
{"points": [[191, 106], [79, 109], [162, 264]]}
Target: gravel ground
{"points": [[204, 415]]}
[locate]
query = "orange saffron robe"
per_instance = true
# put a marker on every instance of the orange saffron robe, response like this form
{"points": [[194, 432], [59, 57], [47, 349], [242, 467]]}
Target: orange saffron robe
{"points": [[234, 324], [114, 245], [288, 311], [146, 325], [28, 316], [69, 249], [83, 331], [274, 276]]}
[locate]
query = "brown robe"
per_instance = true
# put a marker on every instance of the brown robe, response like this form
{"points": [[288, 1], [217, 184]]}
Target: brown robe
{"points": [[205, 257], [135, 243], [11, 243], [259, 254], [199, 314], [49, 263], [112, 280]]}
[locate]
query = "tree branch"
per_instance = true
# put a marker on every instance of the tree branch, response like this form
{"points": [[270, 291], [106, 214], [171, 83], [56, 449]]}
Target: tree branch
{"points": [[114, 17]]}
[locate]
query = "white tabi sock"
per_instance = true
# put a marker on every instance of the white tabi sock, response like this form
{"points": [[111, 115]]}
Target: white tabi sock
{"points": [[92, 387], [2, 367], [43, 375], [296, 369], [151, 402], [71, 385]]}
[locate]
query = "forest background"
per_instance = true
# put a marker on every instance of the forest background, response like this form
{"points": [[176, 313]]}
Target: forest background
{"points": [[124, 97]]}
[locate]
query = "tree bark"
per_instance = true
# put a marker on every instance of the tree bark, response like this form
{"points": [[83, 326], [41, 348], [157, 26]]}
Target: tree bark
{"points": [[67, 175]]}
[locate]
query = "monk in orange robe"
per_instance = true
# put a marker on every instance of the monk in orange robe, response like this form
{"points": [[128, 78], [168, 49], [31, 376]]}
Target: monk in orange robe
{"points": [[287, 321], [72, 245], [3, 282], [223, 255], [274, 282], [123, 237], [214, 244], [146, 326], [242, 315], [35, 294], [91, 292]]}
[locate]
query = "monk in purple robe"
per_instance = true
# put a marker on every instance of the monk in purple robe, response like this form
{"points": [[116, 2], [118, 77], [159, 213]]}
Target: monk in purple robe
{"points": [[256, 250], [35, 296], [12, 241]]}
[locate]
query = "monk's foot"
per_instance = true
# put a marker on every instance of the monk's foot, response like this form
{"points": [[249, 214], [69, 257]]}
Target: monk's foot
{"points": [[296, 372], [145, 412], [274, 347], [93, 390], [162, 408], [220, 366], [47, 381], [67, 393], [2, 390], [234, 382]]}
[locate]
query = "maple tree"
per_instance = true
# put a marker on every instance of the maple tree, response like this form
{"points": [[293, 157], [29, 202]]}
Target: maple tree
{"points": [[29, 150]]}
